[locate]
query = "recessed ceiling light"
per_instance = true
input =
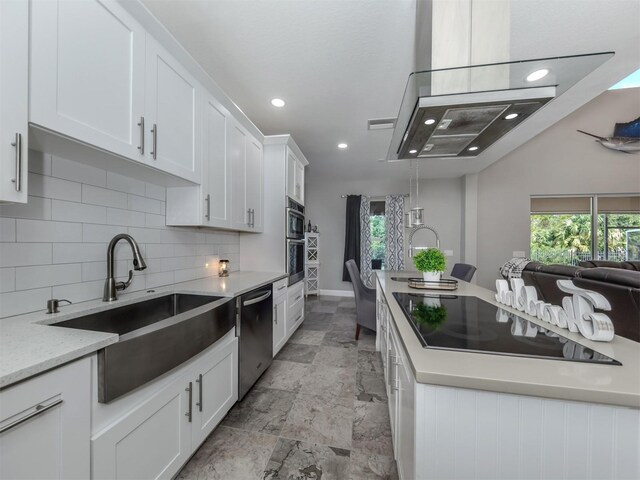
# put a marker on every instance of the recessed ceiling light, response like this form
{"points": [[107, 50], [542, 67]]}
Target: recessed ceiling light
{"points": [[429, 121], [342, 145], [413, 151], [511, 116], [537, 75], [278, 102], [472, 149]]}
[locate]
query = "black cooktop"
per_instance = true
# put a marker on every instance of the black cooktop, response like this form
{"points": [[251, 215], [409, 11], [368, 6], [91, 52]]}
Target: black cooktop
{"points": [[469, 324]]}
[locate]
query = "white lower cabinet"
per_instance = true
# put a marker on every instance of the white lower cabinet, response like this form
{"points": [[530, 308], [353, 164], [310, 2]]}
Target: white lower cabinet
{"points": [[279, 315], [295, 307], [159, 435], [45, 425]]}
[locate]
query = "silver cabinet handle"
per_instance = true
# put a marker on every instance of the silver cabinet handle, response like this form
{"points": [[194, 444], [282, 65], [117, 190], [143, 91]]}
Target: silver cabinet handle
{"points": [[189, 389], [251, 216], [257, 300], [141, 125], [299, 317], [248, 217], [208, 200], [282, 287], [154, 132], [275, 314], [199, 382], [18, 144], [38, 409]]}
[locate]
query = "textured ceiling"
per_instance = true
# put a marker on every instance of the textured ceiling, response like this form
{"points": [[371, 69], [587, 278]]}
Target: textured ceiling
{"points": [[338, 63]]}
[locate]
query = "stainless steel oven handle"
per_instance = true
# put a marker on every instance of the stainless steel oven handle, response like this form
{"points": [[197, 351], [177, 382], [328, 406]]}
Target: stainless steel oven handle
{"points": [[297, 242], [294, 212], [259, 299]]}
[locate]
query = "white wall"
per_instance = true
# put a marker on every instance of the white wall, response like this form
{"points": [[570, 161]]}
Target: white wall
{"points": [[441, 199], [558, 161], [56, 244]]}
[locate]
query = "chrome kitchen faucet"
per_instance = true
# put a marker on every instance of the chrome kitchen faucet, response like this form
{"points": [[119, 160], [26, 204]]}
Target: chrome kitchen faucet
{"points": [[111, 287]]}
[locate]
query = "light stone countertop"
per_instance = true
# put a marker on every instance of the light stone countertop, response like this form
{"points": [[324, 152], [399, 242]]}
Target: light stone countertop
{"points": [[567, 380], [29, 346]]}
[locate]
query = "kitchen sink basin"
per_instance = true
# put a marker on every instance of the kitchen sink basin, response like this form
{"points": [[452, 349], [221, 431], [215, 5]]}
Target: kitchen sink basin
{"points": [[156, 335], [128, 318]]}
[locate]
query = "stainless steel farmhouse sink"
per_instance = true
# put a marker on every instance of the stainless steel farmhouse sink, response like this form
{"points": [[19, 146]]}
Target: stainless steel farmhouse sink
{"points": [[156, 335]]}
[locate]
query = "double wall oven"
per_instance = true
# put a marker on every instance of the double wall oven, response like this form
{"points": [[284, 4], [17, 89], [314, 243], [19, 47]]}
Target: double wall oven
{"points": [[295, 241]]}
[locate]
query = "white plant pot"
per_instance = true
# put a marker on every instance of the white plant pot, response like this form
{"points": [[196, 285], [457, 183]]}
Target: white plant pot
{"points": [[432, 276]]}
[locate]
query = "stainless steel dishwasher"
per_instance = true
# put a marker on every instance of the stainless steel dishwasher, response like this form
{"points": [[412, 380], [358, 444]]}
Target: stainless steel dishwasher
{"points": [[254, 330]]}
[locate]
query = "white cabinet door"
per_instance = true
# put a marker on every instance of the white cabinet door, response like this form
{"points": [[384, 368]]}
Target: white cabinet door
{"points": [[45, 425], [279, 323], [14, 99], [217, 166], [392, 385], [237, 149], [299, 185], [87, 73], [152, 441], [405, 431], [172, 110], [215, 390], [254, 187]]}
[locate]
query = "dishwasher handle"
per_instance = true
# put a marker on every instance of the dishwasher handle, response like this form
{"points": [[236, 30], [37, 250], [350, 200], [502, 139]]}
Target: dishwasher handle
{"points": [[259, 299]]}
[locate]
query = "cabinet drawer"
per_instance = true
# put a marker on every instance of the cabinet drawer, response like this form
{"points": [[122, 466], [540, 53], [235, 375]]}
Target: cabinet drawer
{"points": [[45, 425], [295, 293], [295, 315], [280, 288]]}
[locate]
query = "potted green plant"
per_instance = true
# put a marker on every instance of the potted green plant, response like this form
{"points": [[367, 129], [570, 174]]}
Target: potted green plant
{"points": [[431, 315], [431, 263]]}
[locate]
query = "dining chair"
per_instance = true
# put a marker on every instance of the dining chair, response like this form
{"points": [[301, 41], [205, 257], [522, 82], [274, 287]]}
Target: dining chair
{"points": [[463, 271], [365, 300]]}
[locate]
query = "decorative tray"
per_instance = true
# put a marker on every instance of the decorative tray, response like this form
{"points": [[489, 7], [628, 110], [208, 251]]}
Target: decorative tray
{"points": [[444, 284]]}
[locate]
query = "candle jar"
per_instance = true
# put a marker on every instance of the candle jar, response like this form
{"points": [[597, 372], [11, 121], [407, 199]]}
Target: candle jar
{"points": [[223, 268]]}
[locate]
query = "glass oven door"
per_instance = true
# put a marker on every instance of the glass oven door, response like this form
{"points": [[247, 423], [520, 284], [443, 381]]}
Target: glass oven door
{"points": [[295, 224], [295, 260]]}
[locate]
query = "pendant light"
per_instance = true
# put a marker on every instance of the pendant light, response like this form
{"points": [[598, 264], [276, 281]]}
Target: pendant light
{"points": [[417, 213]]}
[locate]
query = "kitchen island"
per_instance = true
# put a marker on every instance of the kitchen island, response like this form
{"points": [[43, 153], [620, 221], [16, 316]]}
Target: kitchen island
{"points": [[461, 414]]}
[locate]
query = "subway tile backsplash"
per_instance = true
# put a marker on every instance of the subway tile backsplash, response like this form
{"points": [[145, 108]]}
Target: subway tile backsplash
{"points": [[56, 245]]}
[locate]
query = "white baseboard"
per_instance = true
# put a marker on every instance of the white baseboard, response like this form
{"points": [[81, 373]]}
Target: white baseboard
{"points": [[337, 293]]}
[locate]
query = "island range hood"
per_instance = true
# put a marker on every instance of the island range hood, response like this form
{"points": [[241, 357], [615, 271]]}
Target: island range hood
{"points": [[460, 112]]}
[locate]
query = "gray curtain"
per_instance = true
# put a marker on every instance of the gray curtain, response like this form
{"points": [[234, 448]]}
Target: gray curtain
{"points": [[394, 234], [365, 241], [351, 235]]}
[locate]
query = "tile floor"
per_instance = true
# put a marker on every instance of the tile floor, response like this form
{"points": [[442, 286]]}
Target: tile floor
{"points": [[319, 412]]}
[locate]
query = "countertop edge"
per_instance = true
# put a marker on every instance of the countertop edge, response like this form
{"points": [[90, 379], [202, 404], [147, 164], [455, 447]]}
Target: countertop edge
{"points": [[36, 320]]}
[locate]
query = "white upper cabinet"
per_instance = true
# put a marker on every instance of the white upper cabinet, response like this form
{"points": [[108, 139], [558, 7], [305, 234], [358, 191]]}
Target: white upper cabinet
{"points": [[254, 179], [172, 115], [295, 177], [217, 168], [237, 156], [87, 73], [14, 94]]}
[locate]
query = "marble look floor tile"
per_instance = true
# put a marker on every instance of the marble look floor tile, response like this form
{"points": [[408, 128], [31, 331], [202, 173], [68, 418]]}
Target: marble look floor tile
{"points": [[331, 298], [336, 356], [296, 352], [230, 454], [340, 338], [372, 429], [321, 419], [367, 340], [307, 337], [332, 381], [323, 307], [316, 321], [296, 460], [369, 362], [370, 387], [262, 410], [348, 310], [282, 375], [372, 467]]}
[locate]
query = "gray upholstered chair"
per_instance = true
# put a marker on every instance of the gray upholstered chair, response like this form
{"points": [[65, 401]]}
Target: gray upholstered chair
{"points": [[463, 271], [365, 300]]}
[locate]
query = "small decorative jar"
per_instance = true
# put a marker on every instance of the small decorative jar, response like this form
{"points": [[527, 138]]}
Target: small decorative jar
{"points": [[223, 268]]}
